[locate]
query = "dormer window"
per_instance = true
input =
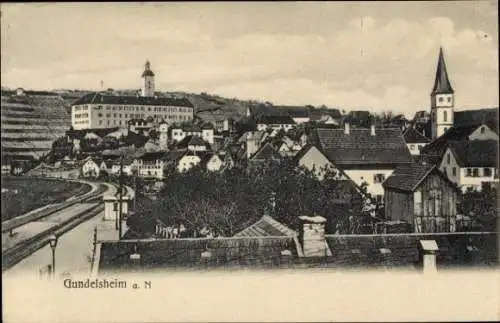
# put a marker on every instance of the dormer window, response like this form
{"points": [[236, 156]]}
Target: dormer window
{"points": [[483, 130]]}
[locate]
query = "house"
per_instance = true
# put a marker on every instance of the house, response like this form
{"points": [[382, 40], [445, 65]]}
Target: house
{"points": [[129, 166], [314, 160], [422, 117], [91, 167], [193, 143], [188, 161], [434, 151], [6, 168], [151, 165], [468, 164], [206, 132], [214, 163], [140, 126], [275, 122], [488, 116], [265, 154], [367, 156], [415, 140], [422, 196]]}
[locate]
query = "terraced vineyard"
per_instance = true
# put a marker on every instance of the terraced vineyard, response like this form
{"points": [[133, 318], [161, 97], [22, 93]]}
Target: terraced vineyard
{"points": [[23, 194]]}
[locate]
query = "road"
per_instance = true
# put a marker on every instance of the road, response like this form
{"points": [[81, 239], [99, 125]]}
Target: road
{"points": [[74, 248]]}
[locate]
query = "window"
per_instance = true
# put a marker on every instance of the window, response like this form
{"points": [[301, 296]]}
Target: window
{"points": [[440, 99], [487, 171], [412, 147], [99, 115], [445, 116], [378, 178], [482, 130], [475, 172], [449, 99], [469, 172], [454, 171], [448, 158], [445, 128], [417, 202]]}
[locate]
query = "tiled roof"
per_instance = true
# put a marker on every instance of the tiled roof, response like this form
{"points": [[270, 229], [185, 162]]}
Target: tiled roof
{"points": [[172, 253], [98, 98], [441, 83], [272, 119], [153, 155], [267, 152], [175, 155], [411, 135], [359, 147], [476, 117], [266, 227], [407, 177], [435, 150], [476, 153], [196, 141]]}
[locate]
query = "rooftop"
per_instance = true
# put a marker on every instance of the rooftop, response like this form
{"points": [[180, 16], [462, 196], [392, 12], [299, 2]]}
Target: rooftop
{"points": [[359, 147], [99, 98]]}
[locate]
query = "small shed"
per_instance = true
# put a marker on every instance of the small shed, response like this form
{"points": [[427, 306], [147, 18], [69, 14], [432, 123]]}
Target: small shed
{"points": [[423, 196]]}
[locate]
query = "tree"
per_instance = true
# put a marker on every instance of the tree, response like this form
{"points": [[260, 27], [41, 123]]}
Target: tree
{"points": [[225, 203]]}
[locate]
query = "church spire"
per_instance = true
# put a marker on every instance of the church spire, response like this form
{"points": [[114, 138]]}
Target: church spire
{"points": [[442, 84]]}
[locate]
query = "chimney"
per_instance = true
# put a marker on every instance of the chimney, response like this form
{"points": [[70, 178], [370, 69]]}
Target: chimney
{"points": [[252, 145], [313, 236], [347, 127], [372, 130]]}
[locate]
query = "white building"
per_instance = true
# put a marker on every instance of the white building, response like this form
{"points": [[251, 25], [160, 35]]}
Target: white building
{"points": [[275, 122], [205, 132], [367, 156], [415, 140], [91, 167], [101, 110], [471, 163]]}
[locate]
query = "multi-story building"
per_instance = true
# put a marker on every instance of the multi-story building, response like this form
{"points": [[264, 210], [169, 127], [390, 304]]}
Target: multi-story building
{"points": [[367, 156], [101, 110]]}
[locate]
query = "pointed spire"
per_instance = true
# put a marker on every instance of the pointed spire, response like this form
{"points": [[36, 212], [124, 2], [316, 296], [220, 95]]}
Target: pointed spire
{"points": [[442, 84]]}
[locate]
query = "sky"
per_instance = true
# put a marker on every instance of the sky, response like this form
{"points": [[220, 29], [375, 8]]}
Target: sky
{"points": [[350, 55]]}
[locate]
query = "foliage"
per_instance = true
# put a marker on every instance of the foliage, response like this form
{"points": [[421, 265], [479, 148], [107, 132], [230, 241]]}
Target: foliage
{"points": [[225, 203]]}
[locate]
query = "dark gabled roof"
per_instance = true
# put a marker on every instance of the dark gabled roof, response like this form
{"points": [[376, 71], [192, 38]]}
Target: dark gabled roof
{"points": [[80, 134], [407, 177], [99, 98], [175, 155], [187, 127], [270, 119], [442, 84], [476, 153], [359, 147], [267, 227], [153, 155], [196, 141], [267, 152], [436, 148], [411, 135], [487, 116]]}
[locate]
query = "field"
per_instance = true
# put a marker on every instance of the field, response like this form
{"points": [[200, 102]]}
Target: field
{"points": [[23, 194]]}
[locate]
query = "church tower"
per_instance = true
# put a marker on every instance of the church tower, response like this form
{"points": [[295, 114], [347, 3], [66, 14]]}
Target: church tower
{"points": [[442, 100], [148, 87]]}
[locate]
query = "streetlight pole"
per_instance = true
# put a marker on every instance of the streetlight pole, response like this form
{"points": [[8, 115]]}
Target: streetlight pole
{"points": [[120, 200], [53, 245]]}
